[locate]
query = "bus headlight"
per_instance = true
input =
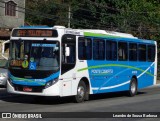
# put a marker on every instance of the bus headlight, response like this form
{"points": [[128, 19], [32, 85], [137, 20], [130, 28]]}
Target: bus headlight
{"points": [[50, 83]]}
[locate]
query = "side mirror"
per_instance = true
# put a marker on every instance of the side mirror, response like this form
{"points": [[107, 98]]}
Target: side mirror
{"points": [[67, 51]]}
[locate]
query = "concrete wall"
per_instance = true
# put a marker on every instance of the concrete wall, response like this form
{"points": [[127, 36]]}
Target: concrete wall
{"points": [[12, 21]]}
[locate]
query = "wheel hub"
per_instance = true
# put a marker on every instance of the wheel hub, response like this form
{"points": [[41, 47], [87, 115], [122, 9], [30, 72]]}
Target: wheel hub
{"points": [[81, 92], [133, 88]]}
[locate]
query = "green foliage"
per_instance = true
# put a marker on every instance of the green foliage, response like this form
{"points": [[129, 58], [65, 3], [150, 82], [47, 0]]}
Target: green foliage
{"points": [[138, 17], [43, 12]]}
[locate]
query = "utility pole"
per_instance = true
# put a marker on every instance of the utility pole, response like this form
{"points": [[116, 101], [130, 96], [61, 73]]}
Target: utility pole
{"points": [[69, 17]]}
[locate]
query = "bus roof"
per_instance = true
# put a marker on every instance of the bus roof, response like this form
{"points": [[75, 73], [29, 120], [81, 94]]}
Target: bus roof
{"points": [[88, 32], [107, 33]]}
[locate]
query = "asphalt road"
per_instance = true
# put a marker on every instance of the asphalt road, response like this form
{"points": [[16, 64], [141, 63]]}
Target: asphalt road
{"points": [[147, 100]]}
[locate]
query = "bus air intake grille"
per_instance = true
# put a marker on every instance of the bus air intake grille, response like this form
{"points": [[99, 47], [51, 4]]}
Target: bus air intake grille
{"points": [[28, 88]]}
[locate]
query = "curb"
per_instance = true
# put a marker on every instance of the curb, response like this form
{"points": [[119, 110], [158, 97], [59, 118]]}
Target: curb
{"points": [[156, 85]]}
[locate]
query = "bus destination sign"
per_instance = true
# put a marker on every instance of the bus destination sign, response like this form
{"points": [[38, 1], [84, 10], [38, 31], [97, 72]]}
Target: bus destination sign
{"points": [[34, 33]]}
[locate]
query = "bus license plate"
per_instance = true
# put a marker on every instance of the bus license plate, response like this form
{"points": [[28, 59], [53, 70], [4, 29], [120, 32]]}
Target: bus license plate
{"points": [[27, 89]]}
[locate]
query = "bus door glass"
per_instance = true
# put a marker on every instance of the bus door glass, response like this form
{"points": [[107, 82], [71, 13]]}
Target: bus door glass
{"points": [[68, 53]]}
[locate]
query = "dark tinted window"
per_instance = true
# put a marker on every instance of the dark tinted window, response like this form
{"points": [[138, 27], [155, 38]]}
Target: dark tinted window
{"points": [[122, 51], [68, 59], [151, 52], [111, 50], [84, 48], [142, 52], [10, 8], [133, 52], [99, 49], [72, 57]]}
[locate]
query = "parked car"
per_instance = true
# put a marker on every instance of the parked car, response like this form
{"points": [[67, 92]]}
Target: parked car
{"points": [[3, 72]]}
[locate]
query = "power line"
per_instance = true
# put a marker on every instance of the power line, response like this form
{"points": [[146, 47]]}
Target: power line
{"points": [[33, 13], [64, 20], [104, 14], [115, 9], [37, 13], [44, 15], [84, 24], [81, 23], [93, 12], [107, 7]]}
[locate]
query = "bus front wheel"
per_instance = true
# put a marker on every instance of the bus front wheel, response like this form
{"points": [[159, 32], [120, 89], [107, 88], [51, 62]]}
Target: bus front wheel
{"points": [[133, 87], [81, 92]]}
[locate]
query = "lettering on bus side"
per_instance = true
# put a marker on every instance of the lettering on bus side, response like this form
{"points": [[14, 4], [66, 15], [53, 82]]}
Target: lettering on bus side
{"points": [[102, 71], [134, 72]]}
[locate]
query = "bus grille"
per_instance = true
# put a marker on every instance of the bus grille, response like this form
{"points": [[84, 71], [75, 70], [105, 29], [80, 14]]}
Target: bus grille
{"points": [[34, 88]]}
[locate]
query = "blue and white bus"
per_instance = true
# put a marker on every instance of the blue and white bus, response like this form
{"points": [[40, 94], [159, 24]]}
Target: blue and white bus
{"points": [[59, 61]]}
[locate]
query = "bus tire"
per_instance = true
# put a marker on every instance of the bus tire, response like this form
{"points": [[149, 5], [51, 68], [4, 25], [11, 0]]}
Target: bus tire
{"points": [[81, 92], [133, 87]]}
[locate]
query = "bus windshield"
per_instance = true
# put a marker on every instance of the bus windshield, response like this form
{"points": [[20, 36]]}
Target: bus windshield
{"points": [[34, 55]]}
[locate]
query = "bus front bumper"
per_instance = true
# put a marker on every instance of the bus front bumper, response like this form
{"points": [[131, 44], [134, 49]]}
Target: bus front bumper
{"points": [[50, 91]]}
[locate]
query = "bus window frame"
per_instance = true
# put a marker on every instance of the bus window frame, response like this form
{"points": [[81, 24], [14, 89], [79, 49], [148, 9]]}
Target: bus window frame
{"points": [[116, 43], [104, 51], [86, 48], [129, 51], [142, 54], [151, 45]]}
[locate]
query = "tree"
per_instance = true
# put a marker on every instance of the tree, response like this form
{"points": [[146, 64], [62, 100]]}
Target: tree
{"points": [[138, 17], [43, 12]]}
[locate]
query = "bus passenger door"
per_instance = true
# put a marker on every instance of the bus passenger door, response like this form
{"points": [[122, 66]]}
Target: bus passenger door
{"points": [[68, 61]]}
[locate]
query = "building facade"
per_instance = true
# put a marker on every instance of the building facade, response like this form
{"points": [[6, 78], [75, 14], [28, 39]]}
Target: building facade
{"points": [[12, 14]]}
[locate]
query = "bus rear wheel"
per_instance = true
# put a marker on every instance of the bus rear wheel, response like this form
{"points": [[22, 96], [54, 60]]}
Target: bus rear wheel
{"points": [[81, 92], [133, 87]]}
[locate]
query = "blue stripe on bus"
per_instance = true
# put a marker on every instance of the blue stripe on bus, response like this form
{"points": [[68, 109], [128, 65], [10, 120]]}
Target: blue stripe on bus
{"points": [[33, 82]]}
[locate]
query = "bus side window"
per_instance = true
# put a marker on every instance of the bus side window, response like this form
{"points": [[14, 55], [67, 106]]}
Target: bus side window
{"points": [[132, 51], [71, 58], [142, 52], [99, 49], [84, 48], [151, 53], [68, 53], [122, 51], [111, 50]]}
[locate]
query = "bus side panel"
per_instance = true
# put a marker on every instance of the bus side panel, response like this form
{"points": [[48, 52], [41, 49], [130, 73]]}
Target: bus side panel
{"points": [[113, 76], [146, 78], [72, 78], [116, 88], [82, 72], [108, 76], [68, 83]]}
